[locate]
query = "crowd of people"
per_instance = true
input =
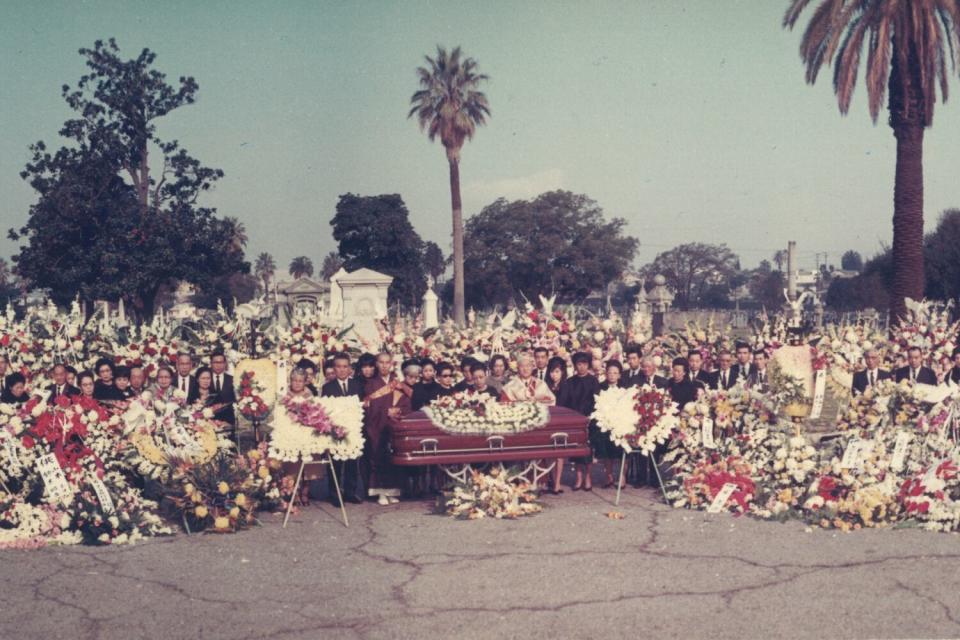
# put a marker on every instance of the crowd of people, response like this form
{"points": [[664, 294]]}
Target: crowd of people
{"points": [[389, 393]]}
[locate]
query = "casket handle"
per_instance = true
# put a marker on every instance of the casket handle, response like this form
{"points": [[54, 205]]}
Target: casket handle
{"points": [[429, 445], [495, 442], [559, 439]]}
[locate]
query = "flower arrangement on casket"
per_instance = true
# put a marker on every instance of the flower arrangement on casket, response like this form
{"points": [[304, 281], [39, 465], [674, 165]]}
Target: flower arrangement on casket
{"points": [[305, 427], [637, 417], [492, 495], [256, 389], [467, 413], [163, 435]]}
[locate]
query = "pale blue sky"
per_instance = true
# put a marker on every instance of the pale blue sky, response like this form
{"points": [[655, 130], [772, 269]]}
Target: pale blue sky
{"points": [[690, 119]]}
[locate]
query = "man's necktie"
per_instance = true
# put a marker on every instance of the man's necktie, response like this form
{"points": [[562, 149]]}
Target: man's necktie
{"points": [[343, 386]]}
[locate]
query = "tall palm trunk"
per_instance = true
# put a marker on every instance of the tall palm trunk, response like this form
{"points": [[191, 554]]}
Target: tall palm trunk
{"points": [[453, 160], [907, 118]]}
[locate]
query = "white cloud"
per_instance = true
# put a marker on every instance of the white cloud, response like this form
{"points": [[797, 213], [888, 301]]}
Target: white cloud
{"points": [[520, 188]]}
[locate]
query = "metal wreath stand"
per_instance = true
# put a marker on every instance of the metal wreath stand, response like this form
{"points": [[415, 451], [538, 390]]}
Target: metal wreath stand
{"points": [[325, 460]]}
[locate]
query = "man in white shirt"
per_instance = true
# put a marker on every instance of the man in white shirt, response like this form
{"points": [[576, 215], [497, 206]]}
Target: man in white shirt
{"points": [[184, 382], [871, 376]]}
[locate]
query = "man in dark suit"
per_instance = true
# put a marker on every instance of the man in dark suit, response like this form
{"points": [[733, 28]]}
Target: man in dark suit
{"points": [[724, 377], [541, 356], [648, 375], [696, 374], [348, 471], [744, 367], [759, 379], [872, 375], [633, 368], [60, 386], [184, 382], [915, 371], [222, 385], [952, 378]]}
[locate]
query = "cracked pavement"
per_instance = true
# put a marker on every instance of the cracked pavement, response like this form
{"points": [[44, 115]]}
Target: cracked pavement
{"points": [[569, 572]]}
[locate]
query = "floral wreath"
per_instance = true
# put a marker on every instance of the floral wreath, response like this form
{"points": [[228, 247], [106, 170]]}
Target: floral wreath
{"points": [[636, 418]]}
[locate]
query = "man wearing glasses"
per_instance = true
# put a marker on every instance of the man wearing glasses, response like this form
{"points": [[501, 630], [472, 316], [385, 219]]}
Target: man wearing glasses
{"points": [[724, 377]]}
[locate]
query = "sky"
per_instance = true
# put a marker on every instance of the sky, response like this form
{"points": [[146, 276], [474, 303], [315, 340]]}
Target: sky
{"points": [[690, 119]]}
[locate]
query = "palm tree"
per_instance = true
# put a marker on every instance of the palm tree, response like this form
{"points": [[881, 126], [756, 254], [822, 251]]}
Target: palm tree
{"points": [[780, 259], [301, 266], [331, 264], [449, 105], [908, 45], [264, 268], [238, 233]]}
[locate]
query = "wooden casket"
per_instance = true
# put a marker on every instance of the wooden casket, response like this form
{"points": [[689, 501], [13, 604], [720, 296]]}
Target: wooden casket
{"points": [[415, 441]]}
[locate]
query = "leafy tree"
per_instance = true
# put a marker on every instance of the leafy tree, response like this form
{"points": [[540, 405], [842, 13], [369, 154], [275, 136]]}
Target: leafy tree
{"points": [[375, 232], [851, 261], [766, 288], [264, 268], [450, 105], [104, 226], [433, 260], [332, 262], [239, 287], [301, 266], [908, 45], [942, 254], [865, 291], [691, 268], [558, 242]]}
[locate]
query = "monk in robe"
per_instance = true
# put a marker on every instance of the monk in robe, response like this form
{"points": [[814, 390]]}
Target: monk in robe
{"points": [[380, 405]]}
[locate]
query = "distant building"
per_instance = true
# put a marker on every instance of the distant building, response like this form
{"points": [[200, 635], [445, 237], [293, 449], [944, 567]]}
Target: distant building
{"points": [[304, 293]]}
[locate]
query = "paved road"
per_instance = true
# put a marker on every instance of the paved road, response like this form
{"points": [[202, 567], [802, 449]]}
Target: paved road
{"points": [[570, 572]]}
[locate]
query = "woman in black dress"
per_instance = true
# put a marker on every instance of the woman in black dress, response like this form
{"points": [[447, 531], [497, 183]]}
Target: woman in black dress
{"points": [[682, 389], [14, 389], [366, 369], [556, 374], [427, 389], [104, 389], [603, 447], [579, 393]]}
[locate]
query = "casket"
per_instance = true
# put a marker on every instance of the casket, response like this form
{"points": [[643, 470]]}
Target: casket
{"points": [[415, 440]]}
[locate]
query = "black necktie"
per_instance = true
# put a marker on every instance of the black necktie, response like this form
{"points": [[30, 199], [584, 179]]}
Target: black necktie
{"points": [[343, 385], [216, 383], [913, 375], [873, 379], [723, 379]]}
